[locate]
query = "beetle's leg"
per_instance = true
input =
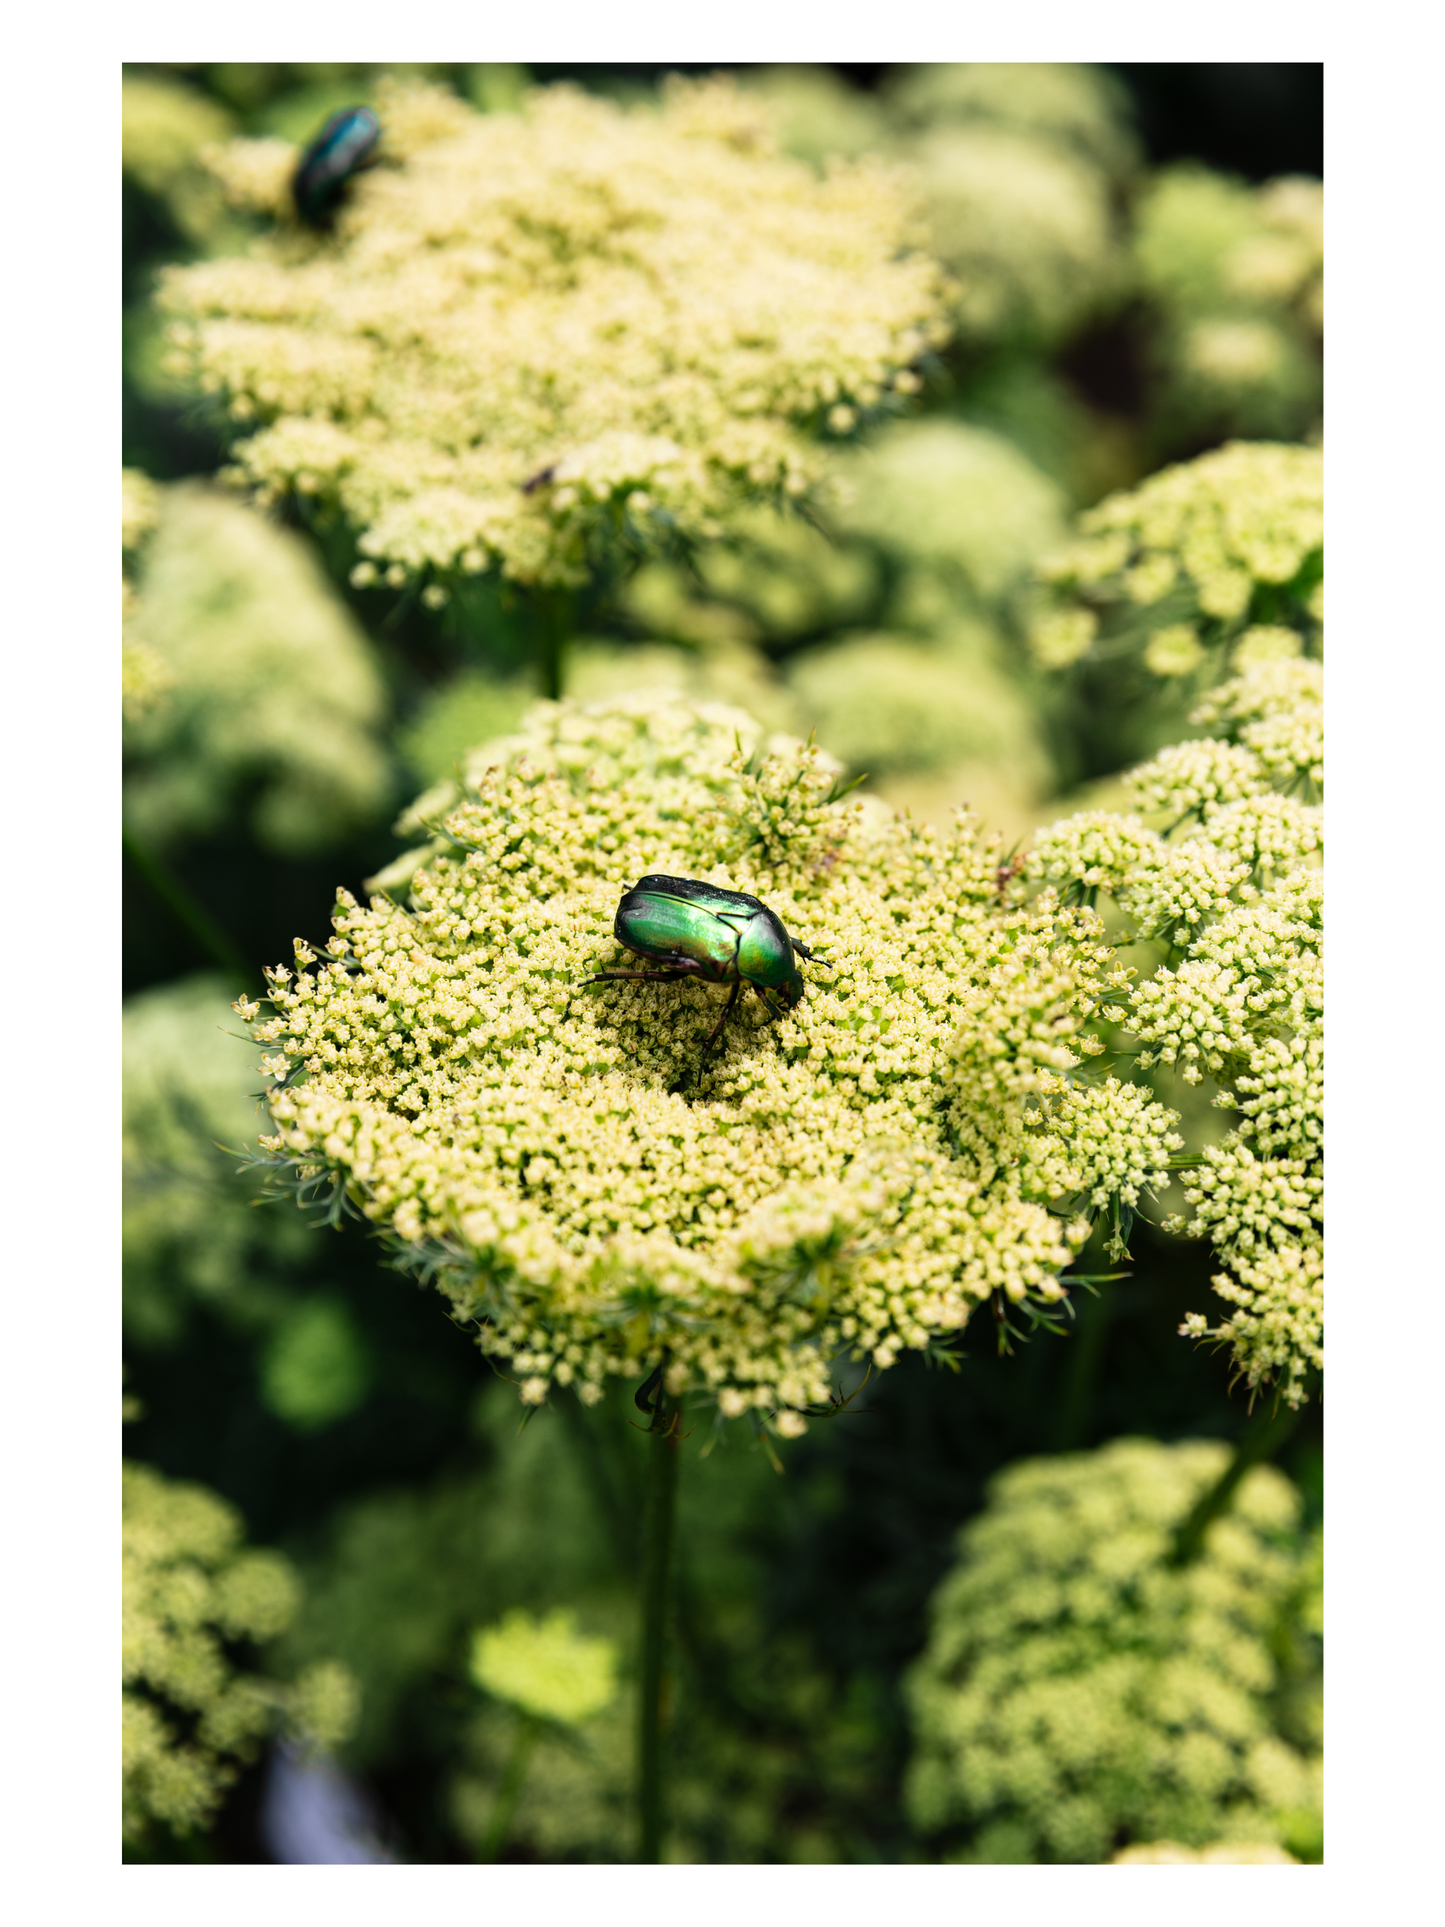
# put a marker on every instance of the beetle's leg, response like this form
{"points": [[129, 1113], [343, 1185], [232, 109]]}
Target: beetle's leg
{"points": [[772, 1009], [732, 999], [642, 1397], [803, 951]]}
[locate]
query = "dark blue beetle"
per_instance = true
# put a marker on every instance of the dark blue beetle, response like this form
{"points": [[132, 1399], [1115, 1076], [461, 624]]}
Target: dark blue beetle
{"points": [[345, 144]]}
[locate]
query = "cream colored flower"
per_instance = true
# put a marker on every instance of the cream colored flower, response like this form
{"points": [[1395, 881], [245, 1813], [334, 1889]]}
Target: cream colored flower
{"points": [[244, 675], [545, 340], [1191, 549], [1235, 893], [189, 1715], [847, 1179], [1077, 1689]]}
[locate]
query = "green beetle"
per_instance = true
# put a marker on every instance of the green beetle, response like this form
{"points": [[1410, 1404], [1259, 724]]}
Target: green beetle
{"points": [[699, 930]]}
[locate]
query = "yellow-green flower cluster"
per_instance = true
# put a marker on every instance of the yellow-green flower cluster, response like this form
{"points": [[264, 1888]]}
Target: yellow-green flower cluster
{"points": [[1017, 163], [887, 704], [816, 114], [1189, 559], [540, 341], [165, 128], [1106, 1143], [144, 674], [187, 1229], [1276, 708], [1234, 893], [953, 499], [1224, 1853], [1236, 273], [1096, 850], [775, 577], [1073, 105], [189, 1714], [264, 687], [934, 527], [545, 1667], [846, 1179], [1078, 1691]]}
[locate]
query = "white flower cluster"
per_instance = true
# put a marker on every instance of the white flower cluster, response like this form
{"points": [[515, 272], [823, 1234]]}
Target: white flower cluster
{"points": [[853, 1178], [543, 340], [1233, 891]]}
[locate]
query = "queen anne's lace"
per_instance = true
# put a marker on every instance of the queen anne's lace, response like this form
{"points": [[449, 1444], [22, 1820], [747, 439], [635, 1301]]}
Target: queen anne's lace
{"points": [[1077, 1690], [536, 339], [189, 1590], [855, 1177], [1236, 896], [1176, 567]]}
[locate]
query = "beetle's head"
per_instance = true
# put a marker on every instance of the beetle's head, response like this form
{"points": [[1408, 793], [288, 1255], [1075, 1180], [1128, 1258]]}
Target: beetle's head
{"points": [[780, 998]]}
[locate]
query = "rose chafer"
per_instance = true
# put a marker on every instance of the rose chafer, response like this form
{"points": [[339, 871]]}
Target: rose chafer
{"points": [[722, 936], [346, 144]]}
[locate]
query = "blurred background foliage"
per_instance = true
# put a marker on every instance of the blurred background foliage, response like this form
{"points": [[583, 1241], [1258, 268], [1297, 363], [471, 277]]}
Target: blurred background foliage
{"points": [[1138, 257]]}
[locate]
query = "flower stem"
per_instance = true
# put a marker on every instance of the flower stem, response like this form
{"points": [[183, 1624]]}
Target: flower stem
{"points": [[555, 621], [498, 1827], [659, 1511], [187, 910], [1266, 1432]]}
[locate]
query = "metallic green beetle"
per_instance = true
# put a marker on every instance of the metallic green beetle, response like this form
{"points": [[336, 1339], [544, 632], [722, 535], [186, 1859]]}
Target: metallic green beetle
{"points": [[723, 936], [345, 145]]}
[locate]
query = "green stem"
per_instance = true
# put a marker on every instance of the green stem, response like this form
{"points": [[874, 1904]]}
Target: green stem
{"points": [[554, 611], [1266, 1432], [528, 1727], [593, 1453], [185, 908], [659, 1512], [1071, 1426]]}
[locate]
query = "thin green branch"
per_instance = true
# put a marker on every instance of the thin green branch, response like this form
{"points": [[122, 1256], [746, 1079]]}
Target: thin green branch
{"points": [[1263, 1437], [515, 1771], [658, 1517], [193, 915]]}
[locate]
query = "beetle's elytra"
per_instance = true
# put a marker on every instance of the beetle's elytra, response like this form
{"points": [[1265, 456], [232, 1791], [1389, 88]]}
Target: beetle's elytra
{"points": [[345, 145], [693, 929]]}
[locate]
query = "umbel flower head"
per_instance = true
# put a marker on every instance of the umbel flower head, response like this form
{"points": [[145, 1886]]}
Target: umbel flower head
{"points": [[545, 1666], [1229, 889], [188, 1713], [164, 127], [1082, 109], [1235, 275], [1018, 161], [1078, 1691], [856, 1176], [1181, 565], [541, 340], [245, 676], [188, 1233]]}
